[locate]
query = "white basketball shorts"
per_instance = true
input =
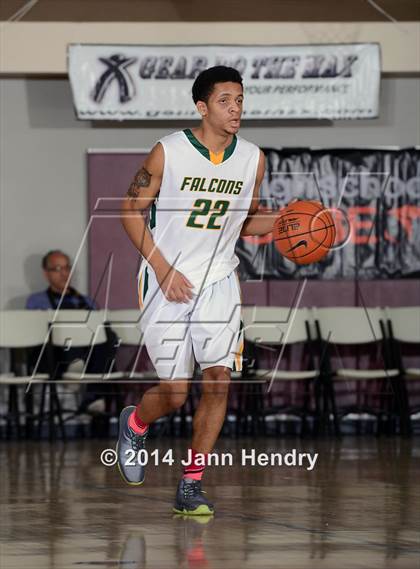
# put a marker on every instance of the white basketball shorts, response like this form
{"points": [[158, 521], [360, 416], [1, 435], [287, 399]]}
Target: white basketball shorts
{"points": [[208, 329]]}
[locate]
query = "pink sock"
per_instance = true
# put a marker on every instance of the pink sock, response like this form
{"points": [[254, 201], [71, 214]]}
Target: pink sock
{"points": [[196, 469], [136, 424]]}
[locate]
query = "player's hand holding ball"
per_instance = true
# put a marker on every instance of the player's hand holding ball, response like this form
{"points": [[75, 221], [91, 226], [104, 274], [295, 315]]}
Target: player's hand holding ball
{"points": [[304, 231]]}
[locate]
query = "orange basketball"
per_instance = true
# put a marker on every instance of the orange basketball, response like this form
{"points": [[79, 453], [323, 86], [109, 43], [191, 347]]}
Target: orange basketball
{"points": [[304, 232]]}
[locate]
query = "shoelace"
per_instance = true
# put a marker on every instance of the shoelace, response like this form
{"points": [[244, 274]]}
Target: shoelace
{"points": [[137, 441], [192, 489]]}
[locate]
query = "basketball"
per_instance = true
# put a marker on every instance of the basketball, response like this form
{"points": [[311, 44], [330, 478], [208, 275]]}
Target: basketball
{"points": [[304, 232]]}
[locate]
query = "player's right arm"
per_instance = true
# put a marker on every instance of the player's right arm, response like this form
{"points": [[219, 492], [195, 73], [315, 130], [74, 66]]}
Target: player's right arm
{"points": [[140, 196]]}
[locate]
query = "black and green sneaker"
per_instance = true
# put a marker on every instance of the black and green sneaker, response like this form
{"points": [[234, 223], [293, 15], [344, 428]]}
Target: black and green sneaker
{"points": [[128, 441], [190, 499]]}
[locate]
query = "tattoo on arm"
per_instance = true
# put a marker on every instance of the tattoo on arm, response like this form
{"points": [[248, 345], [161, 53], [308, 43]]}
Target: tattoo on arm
{"points": [[141, 180]]}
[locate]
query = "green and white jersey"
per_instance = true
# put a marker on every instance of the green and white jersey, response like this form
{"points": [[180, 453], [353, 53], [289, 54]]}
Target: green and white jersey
{"points": [[202, 204]]}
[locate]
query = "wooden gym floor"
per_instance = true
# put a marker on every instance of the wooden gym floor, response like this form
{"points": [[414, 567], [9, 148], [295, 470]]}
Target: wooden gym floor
{"points": [[358, 508]]}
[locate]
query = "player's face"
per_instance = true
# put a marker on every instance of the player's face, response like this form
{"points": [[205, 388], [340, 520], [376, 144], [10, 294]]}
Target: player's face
{"points": [[57, 271], [224, 107]]}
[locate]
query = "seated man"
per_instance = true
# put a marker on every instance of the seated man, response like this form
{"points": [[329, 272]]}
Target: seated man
{"points": [[57, 267]]}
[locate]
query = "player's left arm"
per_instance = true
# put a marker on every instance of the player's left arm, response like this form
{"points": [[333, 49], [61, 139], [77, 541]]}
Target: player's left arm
{"points": [[259, 221]]}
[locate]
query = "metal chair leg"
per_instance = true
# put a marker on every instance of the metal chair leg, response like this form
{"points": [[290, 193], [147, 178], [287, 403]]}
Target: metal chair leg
{"points": [[58, 412], [41, 410]]}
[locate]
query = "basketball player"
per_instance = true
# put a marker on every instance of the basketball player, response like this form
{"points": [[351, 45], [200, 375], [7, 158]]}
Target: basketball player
{"points": [[202, 186]]}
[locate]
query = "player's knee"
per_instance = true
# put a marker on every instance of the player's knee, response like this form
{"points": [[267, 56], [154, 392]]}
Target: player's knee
{"points": [[176, 393], [216, 381]]}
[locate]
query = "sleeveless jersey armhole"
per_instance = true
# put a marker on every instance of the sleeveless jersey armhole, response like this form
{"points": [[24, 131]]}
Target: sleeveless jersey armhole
{"points": [[256, 165], [165, 160]]}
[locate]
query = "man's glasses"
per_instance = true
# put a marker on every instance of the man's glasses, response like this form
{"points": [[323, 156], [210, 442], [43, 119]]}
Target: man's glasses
{"points": [[59, 269]]}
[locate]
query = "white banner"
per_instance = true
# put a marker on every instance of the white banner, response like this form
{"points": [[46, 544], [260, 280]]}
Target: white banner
{"points": [[128, 82]]}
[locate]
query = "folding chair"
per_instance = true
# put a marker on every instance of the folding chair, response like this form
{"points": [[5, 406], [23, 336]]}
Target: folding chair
{"points": [[403, 325], [125, 324], [21, 331], [276, 328], [354, 327], [79, 329]]}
